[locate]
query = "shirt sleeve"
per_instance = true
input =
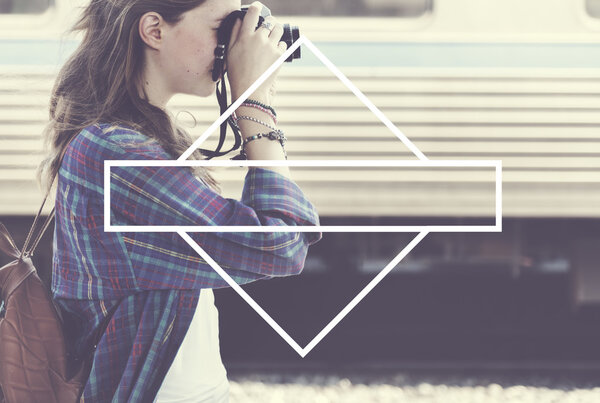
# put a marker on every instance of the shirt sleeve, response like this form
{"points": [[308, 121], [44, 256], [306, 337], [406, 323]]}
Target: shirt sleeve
{"points": [[174, 196]]}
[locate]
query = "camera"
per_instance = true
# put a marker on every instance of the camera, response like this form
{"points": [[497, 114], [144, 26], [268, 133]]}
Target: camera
{"points": [[290, 35]]}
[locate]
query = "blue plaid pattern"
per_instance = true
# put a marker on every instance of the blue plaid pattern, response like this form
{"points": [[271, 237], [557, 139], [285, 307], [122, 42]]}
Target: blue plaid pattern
{"points": [[152, 281]]}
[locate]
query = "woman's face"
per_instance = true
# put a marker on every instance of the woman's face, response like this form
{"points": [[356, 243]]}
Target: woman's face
{"points": [[188, 54]]}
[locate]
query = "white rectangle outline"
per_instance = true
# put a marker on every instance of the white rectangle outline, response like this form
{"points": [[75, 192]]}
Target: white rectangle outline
{"points": [[497, 164], [423, 230]]}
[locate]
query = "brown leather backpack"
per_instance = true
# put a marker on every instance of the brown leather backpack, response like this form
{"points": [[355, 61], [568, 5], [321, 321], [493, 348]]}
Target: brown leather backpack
{"points": [[33, 354]]}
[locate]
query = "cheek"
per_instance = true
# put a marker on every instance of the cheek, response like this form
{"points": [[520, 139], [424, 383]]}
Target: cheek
{"points": [[189, 51], [199, 56], [200, 46], [205, 53], [209, 47]]}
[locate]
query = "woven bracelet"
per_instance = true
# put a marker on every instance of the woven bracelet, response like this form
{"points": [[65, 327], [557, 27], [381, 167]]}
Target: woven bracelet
{"points": [[268, 107], [260, 108]]}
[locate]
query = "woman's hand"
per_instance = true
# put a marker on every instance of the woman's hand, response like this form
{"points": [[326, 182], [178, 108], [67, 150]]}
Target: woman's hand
{"points": [[251, 52]]}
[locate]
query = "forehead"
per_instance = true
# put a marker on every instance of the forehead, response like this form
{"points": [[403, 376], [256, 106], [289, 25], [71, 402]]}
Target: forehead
{"points": [[212, 10]]}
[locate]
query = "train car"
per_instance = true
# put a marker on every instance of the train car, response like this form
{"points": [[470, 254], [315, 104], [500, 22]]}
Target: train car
{"points": [[513, 81]]}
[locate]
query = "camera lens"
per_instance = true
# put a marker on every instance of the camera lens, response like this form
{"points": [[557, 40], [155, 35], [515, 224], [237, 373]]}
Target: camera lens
{"points": [[290, 35]]}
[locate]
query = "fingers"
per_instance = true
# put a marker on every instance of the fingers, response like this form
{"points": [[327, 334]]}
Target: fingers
{"points": [[276, 33], [282, 46], [250, 21], [251, 18], [252, 51], [267, 26]]}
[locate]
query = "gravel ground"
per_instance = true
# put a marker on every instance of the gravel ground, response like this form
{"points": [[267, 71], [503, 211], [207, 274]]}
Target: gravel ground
{"points": [[419, 387]]}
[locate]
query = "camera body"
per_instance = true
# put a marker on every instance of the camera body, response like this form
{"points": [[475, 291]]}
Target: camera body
{"points": [[290, 35]]}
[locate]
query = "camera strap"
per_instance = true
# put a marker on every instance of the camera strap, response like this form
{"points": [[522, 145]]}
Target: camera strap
{"points": [[223, 37], [219, 70], [222, 99]]}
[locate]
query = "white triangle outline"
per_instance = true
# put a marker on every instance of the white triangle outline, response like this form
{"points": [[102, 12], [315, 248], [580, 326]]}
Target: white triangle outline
{"points": [[422, 161], [422, 230], [303, 40], [303, 351]]}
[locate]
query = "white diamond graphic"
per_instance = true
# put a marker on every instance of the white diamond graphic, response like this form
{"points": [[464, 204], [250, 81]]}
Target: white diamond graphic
{"points": [[421, 231]]}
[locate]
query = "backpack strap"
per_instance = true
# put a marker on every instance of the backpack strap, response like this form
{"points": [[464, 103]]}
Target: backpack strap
{"points": [[42, 231], [31, 242]]}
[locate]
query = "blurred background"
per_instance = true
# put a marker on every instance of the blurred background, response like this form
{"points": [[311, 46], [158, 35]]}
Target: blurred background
{"points": [[507, 316]]}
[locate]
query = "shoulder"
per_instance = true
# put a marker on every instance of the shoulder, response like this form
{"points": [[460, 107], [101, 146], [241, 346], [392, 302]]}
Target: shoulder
{"points": [[83, 163], [111, 141]]}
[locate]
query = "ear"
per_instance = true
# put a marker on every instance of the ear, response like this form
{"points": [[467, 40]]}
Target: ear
{"points": [[151, 28]]}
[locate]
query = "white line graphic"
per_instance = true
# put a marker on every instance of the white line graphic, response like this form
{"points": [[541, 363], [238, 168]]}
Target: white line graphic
{"points": [[303, 351], [305, 41], [422, 230], [497, 165]]}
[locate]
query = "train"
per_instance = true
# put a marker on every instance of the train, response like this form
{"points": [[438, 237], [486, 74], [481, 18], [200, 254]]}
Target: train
{"points": [[463, 80]]}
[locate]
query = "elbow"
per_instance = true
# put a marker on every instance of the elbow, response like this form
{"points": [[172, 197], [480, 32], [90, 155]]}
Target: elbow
{"points": [[298, 261], [293, 254], [305, 240]]}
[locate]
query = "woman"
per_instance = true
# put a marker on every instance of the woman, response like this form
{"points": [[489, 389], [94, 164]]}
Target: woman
{"points": [[142, 302]]}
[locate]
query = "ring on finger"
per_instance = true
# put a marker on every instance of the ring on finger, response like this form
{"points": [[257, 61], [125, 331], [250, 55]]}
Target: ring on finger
{"points": [[267, 25]]}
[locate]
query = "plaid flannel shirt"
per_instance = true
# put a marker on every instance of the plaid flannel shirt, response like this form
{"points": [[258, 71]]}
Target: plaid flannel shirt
{"points": [[150, 282]]}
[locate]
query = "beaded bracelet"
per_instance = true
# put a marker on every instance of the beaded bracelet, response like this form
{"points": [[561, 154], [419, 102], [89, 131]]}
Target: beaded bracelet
{"points": [[260, 108], [260, 122], [256, 103], [274, 135], [233, 121]]}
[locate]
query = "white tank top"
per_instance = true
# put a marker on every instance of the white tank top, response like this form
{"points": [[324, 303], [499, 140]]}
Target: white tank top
{"points": [[197, 373]]}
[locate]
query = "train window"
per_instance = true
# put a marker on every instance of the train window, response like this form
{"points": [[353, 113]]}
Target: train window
{"points": [[593, 8], [352, 8], [25, 6]]}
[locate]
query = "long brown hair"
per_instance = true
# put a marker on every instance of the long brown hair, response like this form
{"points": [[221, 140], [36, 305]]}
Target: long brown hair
{"points": [[100, 82]]}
